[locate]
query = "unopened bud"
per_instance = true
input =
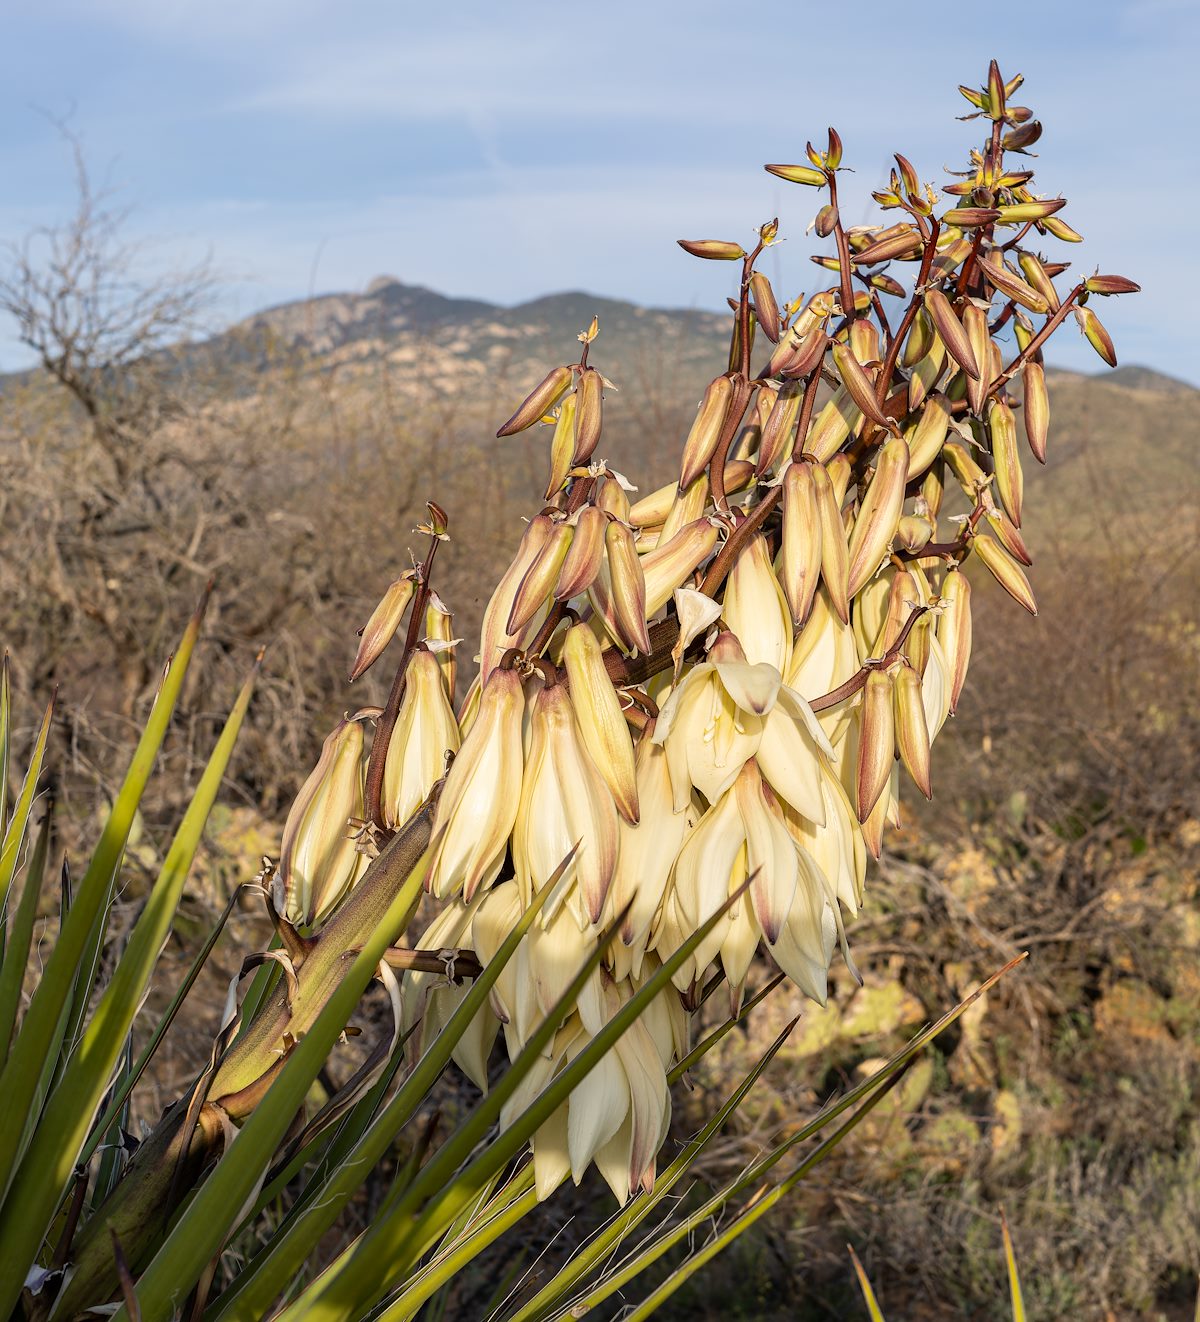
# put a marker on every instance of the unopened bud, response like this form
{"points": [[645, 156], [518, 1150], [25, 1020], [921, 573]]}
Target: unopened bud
{"points": [[1016, 288], [602, 724], [1005, 571], [879, 514], [625, 608], [950, 331], [779, 430], [553, 386], [876, 743], [1110, 284], [912, 731], [1019, 213], [1024, 136], [798, 174], [766, 309], [1097, 336], [385, 619], [585, 555], [588, 415], [954, 631], [1010, 482], [706, 430], [1036, 408], [1061, 230], [800, 551], [318, 861], [716, 250], [970, 217]]}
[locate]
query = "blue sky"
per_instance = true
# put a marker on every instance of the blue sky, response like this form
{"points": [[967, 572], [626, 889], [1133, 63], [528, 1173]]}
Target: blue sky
{"points": [[509, 150]]}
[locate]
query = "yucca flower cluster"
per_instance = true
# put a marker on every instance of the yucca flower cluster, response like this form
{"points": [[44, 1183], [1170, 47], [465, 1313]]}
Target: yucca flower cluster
{"points": [[712, 699]]}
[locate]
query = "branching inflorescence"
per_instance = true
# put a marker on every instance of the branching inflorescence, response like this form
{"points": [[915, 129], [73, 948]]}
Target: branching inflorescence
{"points": [[709, 693]]}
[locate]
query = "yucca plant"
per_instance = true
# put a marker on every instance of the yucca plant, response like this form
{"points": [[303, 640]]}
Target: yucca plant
{"points": [[678, 749]]}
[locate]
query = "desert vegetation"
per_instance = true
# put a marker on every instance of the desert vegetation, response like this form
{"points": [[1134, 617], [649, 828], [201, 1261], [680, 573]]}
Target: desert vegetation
{"points": [[295, 471]]}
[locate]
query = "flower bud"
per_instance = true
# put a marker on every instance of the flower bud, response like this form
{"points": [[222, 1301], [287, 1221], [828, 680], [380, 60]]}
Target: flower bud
{"points": [[652, 510], [1016, 288], [903, 243], [798, 174], [836, 420], [610, 496], [424, 733], [826, 221], [860, 386], [1010, 482], [588, 415], [926, 374], [954, 631], [1024, 136], [975, 324], [563, 803], [478, 806], [713, 249], [835, 555], [385, 619], [495, 638], [673, 561], [926, 438], [1005, 571], [553, 386], [800, 552], [619, 593], [920, 339], [1018, 213], [1036, 408], [540, 578], [1110, 284], [797, 355], [318, 858], [439, 637], [756, 611], [970, 476], [876, 742], [879, 514], [585, 555], [602, 724], [562, 445], [779, 430], [1097, 336], [970, 217], [951, 332], [1008, 535], [766, 309], [686, 507], [706, 430], [1035, 273], [914, 531], [912, 732], [1061, 230]]}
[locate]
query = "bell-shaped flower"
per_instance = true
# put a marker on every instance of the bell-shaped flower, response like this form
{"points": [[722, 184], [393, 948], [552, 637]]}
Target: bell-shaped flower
{"points": [[429, 999], [479, 803], [756, 610], [425, 732], [824, 656], [835, 845], [645, 856], [318, 859], [806, 939], [727, 710], [564, 803]]}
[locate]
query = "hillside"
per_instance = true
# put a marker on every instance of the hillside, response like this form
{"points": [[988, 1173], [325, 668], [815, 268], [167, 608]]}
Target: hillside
{"points": [[1113, 433]]}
